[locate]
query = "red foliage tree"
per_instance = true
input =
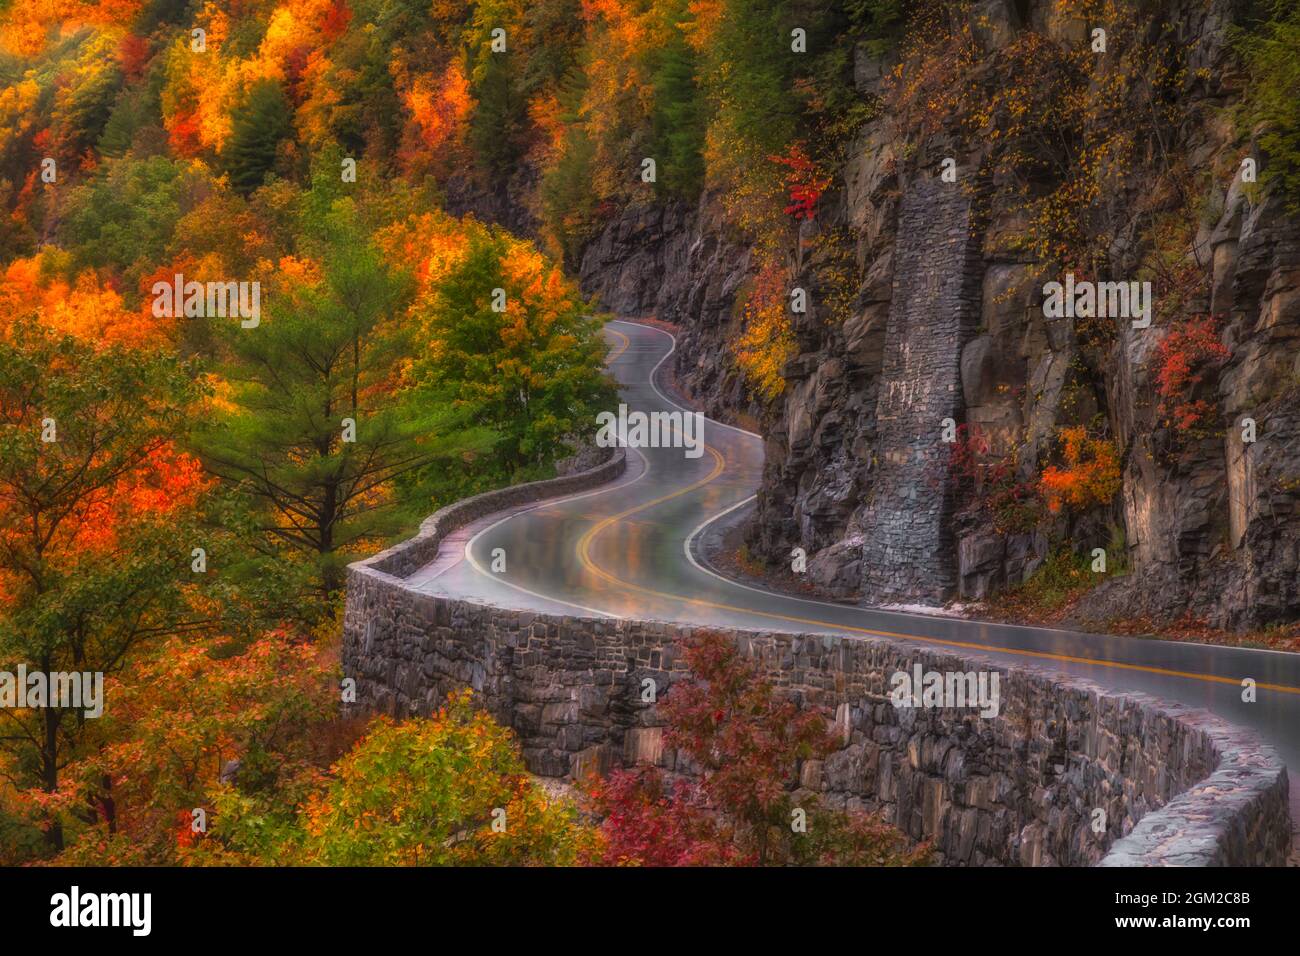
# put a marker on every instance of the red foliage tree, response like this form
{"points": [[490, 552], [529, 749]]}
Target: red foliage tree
{"points": [[133, 55], [1184, 358], [747, 744], [747, 741], [803, 180], [651, 823], [335, 21], [183, 134]]}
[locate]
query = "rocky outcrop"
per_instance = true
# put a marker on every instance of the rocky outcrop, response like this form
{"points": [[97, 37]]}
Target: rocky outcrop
{"points": [[628, 265], [500, 202], [684, 266], [1205, 522], [1217, 530]]}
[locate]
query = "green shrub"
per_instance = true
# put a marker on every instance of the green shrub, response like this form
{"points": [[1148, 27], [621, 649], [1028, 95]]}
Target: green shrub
{"points": [[1272, 103]]}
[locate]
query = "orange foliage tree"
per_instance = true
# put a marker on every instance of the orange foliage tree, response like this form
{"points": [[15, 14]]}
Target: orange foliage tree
{"points": [[96, 520], [190, 716], [767, 341], [440, 109], [1091, 475]]}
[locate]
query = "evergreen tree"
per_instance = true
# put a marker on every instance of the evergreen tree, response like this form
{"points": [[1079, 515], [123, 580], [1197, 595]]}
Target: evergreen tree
{"points": [[325, 356], [679, 116], [256, 133], [568, 201], [555, 30], [498, 115]]}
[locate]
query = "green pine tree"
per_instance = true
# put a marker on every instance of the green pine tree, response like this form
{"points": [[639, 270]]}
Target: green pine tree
{"points": [[256, 134], [498, 115], [323, 355], [679, 114]]}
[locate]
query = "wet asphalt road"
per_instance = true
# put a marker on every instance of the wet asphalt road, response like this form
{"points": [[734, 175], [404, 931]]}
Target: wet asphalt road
{"points": [[625, 550]]}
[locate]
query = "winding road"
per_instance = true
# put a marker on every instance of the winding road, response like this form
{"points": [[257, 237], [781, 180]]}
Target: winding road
{"points": [[629, 549]]}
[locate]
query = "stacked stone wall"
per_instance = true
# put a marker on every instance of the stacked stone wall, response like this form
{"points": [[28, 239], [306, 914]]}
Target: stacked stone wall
{"points": [[907, 542], [1176, 786]]}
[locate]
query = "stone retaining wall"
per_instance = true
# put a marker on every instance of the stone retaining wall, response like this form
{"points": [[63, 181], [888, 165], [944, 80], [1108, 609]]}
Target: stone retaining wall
{"points": [[1176, 786], [908, 549]]}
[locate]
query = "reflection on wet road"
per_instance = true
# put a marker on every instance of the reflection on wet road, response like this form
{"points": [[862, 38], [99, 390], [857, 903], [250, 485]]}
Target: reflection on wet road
{"points": [[622, 550]]}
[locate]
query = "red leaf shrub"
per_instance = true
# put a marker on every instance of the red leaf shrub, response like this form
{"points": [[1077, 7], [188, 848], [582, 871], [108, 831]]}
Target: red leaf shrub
{"points": [[1184, 358], [746, 743], [803, 181]]}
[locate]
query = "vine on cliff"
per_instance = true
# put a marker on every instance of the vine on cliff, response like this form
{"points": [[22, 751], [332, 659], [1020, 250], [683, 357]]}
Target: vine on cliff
{"points": [[991, 485], [1062, 121]]}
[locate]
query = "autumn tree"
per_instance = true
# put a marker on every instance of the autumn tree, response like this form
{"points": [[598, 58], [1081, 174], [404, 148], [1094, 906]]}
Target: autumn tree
{"points": [[84, 99], [513, 347], [1186, 360], [767, 341], [747, 745], [190, 717], [449, 790], [648, 821], [353, 97], [96, 525]]}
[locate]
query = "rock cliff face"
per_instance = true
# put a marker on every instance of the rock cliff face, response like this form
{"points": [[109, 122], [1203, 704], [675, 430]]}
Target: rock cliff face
{"points": [[948, 322], [683, 265]]}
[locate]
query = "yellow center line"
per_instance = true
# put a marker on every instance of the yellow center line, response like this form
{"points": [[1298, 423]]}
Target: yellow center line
{"points": [[584, 557], [622, 347]]}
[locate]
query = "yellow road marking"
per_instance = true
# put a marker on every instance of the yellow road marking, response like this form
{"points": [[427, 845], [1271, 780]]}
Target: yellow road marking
{"points": [[584, 557], [623, 346]]}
